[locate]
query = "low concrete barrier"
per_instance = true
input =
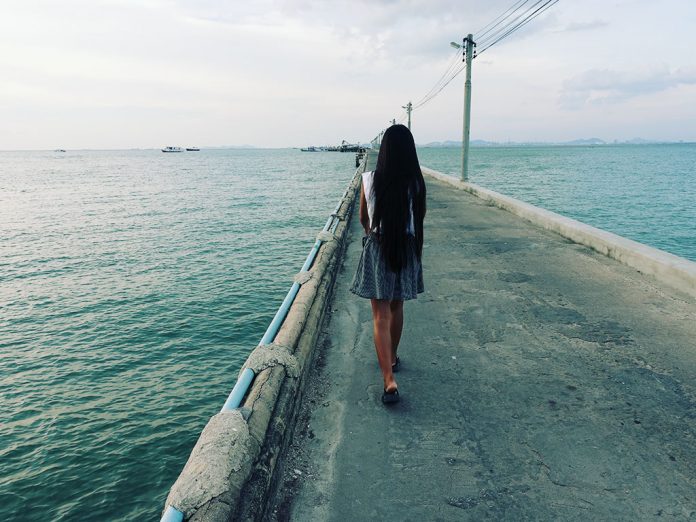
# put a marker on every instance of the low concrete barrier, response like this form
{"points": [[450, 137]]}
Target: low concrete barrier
{"points": [[672, 270], [230, 471]]}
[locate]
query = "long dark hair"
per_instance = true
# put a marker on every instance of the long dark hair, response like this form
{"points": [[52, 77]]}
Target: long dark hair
{"points": [[397, 180]]}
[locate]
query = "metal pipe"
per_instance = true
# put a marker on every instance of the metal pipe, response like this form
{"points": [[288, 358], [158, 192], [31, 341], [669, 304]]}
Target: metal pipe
{"points": [[247, 377], [244, 381], [239, 391], [172, 514], [280, 315]]}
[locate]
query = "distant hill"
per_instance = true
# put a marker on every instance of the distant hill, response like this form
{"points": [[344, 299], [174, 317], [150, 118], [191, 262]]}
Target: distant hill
{"points": [[639, 141], [588, 141], [585, 141]]}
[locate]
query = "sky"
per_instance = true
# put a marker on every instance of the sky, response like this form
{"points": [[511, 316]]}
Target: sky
{"points": [[109, 74]]}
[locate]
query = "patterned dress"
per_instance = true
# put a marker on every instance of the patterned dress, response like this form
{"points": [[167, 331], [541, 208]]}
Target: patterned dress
{"points": [[373, 278]]}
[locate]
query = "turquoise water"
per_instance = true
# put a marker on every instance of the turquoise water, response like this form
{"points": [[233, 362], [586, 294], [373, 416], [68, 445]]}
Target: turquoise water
{"points": [[134, 283], [643, 192]]}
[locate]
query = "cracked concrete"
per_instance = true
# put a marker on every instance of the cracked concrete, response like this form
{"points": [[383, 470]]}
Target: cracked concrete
{"points": [[231, 471], [221, 451], [540, 381]]}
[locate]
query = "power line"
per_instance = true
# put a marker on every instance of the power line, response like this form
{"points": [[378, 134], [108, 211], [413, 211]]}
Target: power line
{"points": [[452, 77], [520, 15], [488, 36], [450, 68], [536, 13], [522, 18], [450, 74], [480, 33]]}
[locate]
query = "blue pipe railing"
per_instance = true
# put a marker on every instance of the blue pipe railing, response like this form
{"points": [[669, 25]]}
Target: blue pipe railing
{"points": [[247, 377], [244, 381], [172, 515]]}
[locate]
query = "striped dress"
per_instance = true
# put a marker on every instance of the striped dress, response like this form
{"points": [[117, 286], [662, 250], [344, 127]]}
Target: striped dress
{"points": [[373, 278]]}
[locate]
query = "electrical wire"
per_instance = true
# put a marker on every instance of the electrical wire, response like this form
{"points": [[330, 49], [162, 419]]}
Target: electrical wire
{"points": [[445, 84], [494, 35], [487, 28], [452, 65], [521, 15], [452, 72], [524, 22]]}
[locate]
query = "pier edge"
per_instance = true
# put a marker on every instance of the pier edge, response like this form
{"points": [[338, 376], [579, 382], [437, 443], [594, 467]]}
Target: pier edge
{"points": [[269, 408], [675, 271]]}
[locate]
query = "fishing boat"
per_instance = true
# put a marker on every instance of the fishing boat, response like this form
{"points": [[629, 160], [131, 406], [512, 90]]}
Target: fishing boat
{"points": [[172, 149]]}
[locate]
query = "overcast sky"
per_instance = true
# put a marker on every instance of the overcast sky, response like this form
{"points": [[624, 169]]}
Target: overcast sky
{"points": [[149, 73]]}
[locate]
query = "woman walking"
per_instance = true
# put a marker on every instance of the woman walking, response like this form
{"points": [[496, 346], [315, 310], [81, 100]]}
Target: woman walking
{"points": [[392, 208]]}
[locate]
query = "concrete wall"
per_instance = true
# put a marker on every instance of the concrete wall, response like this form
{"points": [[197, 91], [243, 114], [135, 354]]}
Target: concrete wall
{"points": [[231, 468], [675, 271]]}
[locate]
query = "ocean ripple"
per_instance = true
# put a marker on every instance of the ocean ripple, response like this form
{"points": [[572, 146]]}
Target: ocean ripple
{"points": [[134, 285]]}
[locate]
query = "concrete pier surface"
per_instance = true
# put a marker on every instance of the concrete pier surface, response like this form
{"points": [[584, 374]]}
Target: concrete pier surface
{"points": [[540, 381]]}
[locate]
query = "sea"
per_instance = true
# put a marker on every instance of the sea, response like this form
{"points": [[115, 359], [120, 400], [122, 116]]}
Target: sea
{"points": [[133, 284]]}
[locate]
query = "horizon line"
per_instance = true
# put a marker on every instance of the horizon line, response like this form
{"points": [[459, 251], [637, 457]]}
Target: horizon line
{"points": [[431, 144]]}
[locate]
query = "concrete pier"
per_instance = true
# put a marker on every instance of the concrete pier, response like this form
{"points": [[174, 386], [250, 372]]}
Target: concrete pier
{"points": [[540, 381]]}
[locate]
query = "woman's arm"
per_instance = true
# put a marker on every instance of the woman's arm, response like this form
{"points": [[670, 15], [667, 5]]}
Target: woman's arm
{"points": [[364, 216]]}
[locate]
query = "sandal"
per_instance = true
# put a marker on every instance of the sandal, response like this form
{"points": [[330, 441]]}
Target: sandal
{"points": [[395, 366], [391, 397]]}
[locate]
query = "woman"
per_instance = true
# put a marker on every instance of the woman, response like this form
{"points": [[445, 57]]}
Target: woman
{"points": [[392, 208]]}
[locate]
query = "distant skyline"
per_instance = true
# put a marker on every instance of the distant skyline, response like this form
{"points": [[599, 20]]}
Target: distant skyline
{"points": [[148, 73]]}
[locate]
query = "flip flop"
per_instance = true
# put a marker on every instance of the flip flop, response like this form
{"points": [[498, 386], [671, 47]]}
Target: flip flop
{"points": [[395, 366], [390, 397]]}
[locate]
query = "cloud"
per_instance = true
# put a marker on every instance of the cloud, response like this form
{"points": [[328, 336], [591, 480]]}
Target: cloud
{"points": [[321, 70], [597, 87], [393, 29]]}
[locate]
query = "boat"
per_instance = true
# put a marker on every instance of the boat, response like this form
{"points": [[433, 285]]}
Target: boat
{"points": [[346, 147], [192, 149], [349, 147], [172, 149], [310, 149], [59, 150]]}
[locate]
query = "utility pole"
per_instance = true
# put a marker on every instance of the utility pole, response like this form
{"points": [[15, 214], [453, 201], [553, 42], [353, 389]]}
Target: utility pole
{"points": [[468, 45], [409, 108], [469, 48]]}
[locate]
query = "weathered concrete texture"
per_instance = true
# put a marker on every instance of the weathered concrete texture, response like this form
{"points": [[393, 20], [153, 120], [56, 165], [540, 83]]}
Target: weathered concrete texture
{"points": [[270, 355], [274, 399], [540, 381], [231, 468], [222, 451]]}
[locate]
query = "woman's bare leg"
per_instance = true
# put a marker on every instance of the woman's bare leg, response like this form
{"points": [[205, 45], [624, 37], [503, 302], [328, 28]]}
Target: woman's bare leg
{"points": [[381, 320], [396, 325]]}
